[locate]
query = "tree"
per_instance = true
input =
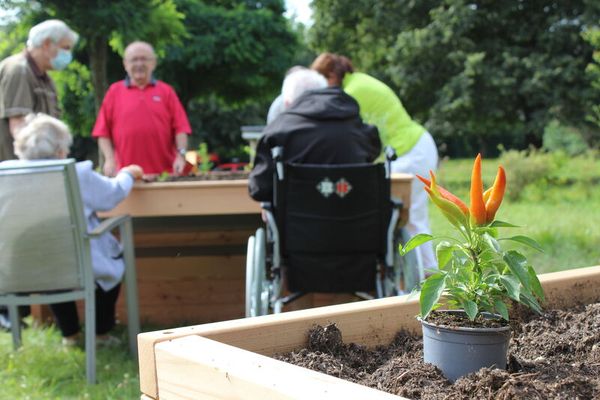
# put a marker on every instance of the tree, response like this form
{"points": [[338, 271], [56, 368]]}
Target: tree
{"points": [[226, 58], [593, 70], [229, 67], [237, 52], [477, 73]]}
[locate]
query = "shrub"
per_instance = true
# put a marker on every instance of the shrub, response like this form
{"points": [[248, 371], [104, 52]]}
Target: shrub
{"points": [[558, 137], [528, 167]]}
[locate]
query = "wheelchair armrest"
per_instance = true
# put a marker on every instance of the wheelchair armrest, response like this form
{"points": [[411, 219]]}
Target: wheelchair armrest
{"points": [[108, 225], [397, 204]]}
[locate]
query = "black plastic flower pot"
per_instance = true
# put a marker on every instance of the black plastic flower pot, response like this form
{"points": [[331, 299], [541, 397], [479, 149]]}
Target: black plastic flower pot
{"points": [[458, 351]]}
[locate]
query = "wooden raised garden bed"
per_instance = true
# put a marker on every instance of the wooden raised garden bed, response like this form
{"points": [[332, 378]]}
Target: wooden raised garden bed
{"points": [[190, 243], [230, 359]]}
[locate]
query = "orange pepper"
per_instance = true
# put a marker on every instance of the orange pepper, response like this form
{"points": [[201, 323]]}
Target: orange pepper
{"points": [[448, 208], [478, 213], [486, 195], [444, 193], [496, 195]]}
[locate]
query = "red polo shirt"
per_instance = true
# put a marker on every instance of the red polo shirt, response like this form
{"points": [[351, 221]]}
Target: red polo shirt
{"points": [[142, 124]]}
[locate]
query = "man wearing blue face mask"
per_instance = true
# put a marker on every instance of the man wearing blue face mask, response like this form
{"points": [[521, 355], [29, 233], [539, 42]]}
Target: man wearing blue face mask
{"points": [[25, 86]]}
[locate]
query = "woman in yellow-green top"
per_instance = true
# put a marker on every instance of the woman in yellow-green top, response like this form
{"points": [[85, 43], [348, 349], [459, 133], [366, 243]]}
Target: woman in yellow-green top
{"points": [[416, 150]]}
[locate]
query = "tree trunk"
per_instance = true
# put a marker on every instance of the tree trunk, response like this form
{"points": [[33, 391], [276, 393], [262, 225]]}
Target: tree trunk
{"points": [[97, 50], [98, 47]]}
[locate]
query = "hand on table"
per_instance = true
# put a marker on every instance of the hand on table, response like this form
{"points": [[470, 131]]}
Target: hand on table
{"points": [[135, 170], [178, 164]]}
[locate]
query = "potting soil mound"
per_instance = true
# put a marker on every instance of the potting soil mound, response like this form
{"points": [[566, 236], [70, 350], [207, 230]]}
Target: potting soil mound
{"points": [[210, 176], [554, 356]]}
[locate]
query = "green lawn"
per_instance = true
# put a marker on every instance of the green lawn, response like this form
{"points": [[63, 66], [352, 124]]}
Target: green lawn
{"points": [[43, 369], [562, 218]]}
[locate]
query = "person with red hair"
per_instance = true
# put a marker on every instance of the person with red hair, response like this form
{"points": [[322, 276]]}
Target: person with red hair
{"points": [[415, 147]]}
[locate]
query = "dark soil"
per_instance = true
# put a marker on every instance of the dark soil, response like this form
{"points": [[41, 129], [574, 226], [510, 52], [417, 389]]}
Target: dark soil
{"points": [[458, 319], [206, 176], [554, 356]]}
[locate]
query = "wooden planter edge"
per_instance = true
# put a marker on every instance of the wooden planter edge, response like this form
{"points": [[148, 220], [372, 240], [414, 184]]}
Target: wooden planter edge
{"points": [[368, 323]]}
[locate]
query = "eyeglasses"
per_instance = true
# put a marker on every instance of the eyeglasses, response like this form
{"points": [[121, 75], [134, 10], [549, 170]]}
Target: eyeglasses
{"points": [[139, 59]]}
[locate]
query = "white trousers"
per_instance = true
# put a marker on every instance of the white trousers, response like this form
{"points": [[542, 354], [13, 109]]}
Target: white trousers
{"points": [[422, 158]]}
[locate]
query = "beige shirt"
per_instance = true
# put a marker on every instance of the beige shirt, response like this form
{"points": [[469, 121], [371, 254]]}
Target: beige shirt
{"points": [[23, 89]]}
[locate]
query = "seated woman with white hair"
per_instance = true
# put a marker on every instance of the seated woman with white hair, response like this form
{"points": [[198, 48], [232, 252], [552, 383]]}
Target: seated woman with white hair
{"points": [[43, 137]]}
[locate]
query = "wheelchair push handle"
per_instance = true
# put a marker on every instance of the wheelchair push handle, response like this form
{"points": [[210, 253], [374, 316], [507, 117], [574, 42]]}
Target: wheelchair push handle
{"points": [[390, 155], [277, 154]]}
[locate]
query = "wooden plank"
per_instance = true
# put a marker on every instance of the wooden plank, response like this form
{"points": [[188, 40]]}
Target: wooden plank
{"points": [[188, 314], [188, 198], [189, 290], [401, 187], [209, 198], [156, 294], [368, 323], [215, 370], [196, 238], [183, 268]]}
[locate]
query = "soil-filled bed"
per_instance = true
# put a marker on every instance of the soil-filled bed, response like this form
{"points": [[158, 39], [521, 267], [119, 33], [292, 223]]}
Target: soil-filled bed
{"points": [[554, 356]]}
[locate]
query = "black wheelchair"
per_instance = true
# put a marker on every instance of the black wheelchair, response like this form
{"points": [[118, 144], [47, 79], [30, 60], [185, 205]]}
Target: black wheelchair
{"points": [[330, 229]]}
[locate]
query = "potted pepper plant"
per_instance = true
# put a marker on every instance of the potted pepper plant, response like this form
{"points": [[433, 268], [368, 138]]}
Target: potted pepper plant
{"points": [[477, 281]]}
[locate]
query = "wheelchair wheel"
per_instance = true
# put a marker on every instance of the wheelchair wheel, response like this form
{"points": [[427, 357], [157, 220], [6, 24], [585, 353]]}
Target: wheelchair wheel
{"points": [[391, 282], [257, 285], [409, 268]]}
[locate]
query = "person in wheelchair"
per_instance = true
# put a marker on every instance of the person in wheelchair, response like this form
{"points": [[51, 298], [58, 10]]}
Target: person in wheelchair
{"points": [[320, 125], [331, 225]]}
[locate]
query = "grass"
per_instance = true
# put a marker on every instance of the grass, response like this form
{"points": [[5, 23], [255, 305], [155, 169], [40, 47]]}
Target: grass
{"points": [[44, 369], [561, 218]]}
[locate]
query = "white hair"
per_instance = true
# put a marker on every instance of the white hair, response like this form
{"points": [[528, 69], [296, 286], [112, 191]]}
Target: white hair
{"points": [[299, 82], [52, 29], [42, 137]]}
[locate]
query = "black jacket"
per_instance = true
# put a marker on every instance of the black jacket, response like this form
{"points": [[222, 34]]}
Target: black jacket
{"points": [[321, 127]]}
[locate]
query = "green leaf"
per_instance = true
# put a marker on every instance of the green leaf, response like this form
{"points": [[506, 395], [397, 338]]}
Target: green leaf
{"points": [[443, 252], [531, 302], [526, 241], [501, 308], [518, 266], [536, 286], [431, 291], [415, 241], [491, 242], [491, 258], [470, 308], [513, 289], [502, 224]]}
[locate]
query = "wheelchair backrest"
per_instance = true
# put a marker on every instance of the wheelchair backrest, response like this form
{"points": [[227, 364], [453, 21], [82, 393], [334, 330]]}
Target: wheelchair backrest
{"points": [[329, 209]]}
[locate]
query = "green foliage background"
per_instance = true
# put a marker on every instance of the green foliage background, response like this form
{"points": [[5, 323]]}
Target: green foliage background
{"points": [[225, 58], [476, 73]]}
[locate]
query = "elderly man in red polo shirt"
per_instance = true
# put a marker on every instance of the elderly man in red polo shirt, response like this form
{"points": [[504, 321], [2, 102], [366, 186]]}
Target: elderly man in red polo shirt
{"points": [[141, 120]]}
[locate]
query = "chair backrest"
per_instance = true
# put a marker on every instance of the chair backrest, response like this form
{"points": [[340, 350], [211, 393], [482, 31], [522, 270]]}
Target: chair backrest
{"points": [[42, 227], [333, 218]]}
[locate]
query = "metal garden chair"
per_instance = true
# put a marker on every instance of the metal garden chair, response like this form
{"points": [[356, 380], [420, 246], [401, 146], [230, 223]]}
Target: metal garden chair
{"points": [[45, 248]]}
